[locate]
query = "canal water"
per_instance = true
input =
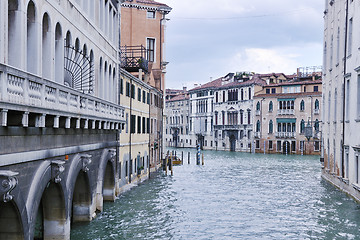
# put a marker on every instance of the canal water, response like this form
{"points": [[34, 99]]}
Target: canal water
{"points": [[233, 196]]}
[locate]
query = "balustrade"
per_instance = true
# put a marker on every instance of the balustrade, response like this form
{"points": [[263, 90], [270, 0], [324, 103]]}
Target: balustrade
{"points": [[20, 88]]}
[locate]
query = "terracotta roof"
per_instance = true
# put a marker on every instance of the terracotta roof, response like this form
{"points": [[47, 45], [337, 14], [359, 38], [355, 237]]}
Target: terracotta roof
{"points": [[213, 84], [255, 80], [179, 98], [279, 95], [306, 82], [151, 2]]}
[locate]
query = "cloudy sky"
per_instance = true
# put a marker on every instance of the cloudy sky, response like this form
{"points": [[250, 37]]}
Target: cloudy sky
{"points": [[208, 39]]}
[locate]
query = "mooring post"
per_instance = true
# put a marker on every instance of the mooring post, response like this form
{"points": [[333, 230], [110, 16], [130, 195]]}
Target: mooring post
{"points": [[182, 157], [188, 157], [202, 159], [198, 155]]}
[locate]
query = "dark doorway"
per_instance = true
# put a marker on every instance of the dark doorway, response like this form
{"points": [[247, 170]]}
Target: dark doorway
{"points": [[232, 143], [286, 147]]}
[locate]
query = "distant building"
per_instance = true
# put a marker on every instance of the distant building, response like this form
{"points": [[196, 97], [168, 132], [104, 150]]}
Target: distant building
{"points": [[341, 96], [233, 112], [282, 110], [177, 121]]}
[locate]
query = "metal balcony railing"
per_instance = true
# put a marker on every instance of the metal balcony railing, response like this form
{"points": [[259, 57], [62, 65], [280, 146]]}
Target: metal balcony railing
{"points": [[133, 58]]}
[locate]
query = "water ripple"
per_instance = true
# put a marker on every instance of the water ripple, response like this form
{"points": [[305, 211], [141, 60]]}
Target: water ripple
{"points": [[234, 196]]}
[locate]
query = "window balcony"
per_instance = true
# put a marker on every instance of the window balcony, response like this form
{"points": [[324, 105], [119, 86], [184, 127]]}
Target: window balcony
{"points": [[257, 112], [285, 134], [257, 134], [316, 111], [133, 58], [286, 112]]}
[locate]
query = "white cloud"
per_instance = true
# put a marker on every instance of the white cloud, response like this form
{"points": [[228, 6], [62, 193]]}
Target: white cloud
{"points": [[287, 36]]}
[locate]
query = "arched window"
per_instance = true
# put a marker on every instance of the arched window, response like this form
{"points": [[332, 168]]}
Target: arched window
{"points": [[271, 106], [100, 80], [292, 104], [258, 126], [32, 46], [302, 126], [15, 39], [271, 126], [242, 94], [46, 47], [59, 54], [258, 106], [302, 105], [317, 106]]}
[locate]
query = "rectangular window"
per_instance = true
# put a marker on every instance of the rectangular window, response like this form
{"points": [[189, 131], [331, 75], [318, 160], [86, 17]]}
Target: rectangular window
{"points": [[347, 101], [139, 94], [350, 36], [268, 90], [270, 144], [121, 86], [148, 98], [143, 125], [151, 14], [317, 146], [126, 169], [127, 122], [133, 91], [132, 123], [316, 88], [127, 89], [273, 90], [278, 146], [144, 96], [257, 144], [150, 43], [139, 124], [147, 125], [293, 146], [357, 169]]}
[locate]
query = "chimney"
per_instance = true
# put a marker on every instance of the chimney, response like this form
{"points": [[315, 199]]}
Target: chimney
{"points": [[184, 89]]}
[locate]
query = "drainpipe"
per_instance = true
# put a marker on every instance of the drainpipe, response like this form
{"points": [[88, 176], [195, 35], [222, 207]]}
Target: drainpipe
{"points": [[344, 88]]}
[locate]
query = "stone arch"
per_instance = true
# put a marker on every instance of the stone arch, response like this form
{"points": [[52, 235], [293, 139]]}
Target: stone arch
{"points": [[114, 85], [11, 226], [46, 46], [46, 206], [81, 199], [15, 40], [78, 185], [59, 54], [106, 183]]}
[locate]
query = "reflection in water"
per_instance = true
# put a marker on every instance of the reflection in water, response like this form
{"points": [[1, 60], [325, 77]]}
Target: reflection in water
{"points": [[234, 196]]}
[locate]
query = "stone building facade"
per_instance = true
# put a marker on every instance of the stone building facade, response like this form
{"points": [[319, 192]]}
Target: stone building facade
{"points": [[142, 53], [177, 121], [282, 110], [341, 95]]}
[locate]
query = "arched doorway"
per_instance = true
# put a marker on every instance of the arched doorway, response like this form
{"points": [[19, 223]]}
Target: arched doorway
{"points": [[51, 214], [286, 147], [81, 201], [109, 183], [11, 226], [232, 143]]}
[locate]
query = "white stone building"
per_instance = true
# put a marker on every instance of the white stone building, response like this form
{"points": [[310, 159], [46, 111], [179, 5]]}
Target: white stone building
{"points": [[341, 95], [233, 112], [177, 121]]}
